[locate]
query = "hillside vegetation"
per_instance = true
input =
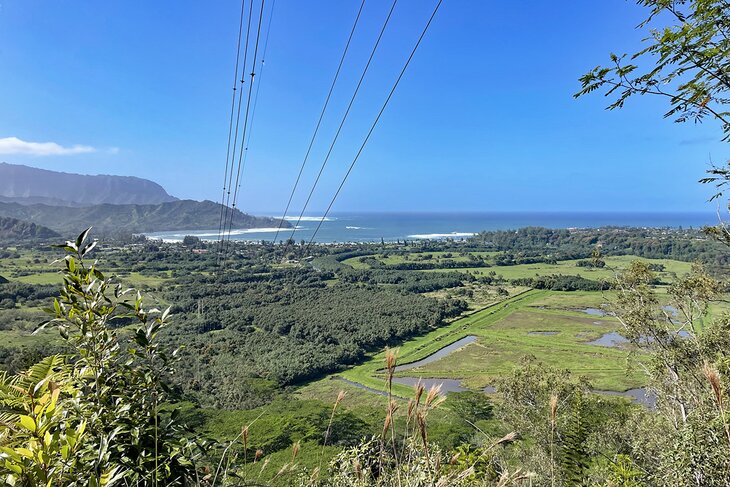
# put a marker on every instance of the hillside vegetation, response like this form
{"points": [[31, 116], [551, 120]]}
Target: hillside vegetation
{"points": [[106, 218], [12, 229]]}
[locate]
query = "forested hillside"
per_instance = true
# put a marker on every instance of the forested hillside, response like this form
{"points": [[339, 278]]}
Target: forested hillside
{"points": [[176, 215], [12, 229]]}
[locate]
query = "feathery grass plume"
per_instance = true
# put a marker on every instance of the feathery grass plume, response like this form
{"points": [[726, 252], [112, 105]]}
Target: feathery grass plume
{"points": [[410, 411], [388, 420], [410, 408], [295, 449], [553, 416], [553, 407], [340, 396], [507, 439], [713, 377], [257, 456], [434, 397], [394, 406], [244, 437], [391, 357], [454, 458], [419, 387]]}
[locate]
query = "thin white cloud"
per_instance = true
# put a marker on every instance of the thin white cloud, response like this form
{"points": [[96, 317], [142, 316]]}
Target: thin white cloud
{"points": [[14, 145]]}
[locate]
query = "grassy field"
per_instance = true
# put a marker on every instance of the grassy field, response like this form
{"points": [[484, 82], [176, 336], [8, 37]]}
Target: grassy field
{"points": [[430, 257], [273, 428], [615, 264], [502, 345], [30, 269], [504, 336]]}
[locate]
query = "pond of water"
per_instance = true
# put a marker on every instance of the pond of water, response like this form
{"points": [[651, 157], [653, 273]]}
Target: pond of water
{"points": [[594, 311], [613, 339]]}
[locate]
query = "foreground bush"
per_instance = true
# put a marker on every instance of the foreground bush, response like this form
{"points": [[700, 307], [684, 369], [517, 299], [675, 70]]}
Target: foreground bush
{"points": [[94, 417]]}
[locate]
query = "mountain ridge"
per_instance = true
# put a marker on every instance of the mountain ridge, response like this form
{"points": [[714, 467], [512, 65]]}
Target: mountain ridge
{"points": [[31, 185], [107, 218]]}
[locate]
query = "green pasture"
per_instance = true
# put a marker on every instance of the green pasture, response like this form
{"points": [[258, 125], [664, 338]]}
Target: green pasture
{"points": [[614, 265], [503, 338], [421, 347], [502, 345], [417, 257]]}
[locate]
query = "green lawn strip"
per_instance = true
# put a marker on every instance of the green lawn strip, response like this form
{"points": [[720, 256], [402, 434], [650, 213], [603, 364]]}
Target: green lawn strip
{"points": [[43, 277], [19, 338], [137, 279]]}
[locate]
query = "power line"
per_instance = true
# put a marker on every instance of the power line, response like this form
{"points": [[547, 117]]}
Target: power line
{"points": [[258, 87], [321, 116], [375, 122], [226, 208], [233, 106], [245, 126], [342, 122]]}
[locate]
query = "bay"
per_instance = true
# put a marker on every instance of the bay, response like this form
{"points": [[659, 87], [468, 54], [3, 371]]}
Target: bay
{"points": [[374, 227]]}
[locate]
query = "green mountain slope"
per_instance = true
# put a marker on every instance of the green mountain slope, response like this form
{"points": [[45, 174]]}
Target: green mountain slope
{"points": [[174, 215], [14, 229]]}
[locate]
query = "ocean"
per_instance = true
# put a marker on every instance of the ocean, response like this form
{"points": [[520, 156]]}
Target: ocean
{"points": [[372, 227]]}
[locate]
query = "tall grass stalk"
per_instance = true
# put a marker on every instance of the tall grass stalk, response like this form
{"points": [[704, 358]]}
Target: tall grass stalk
{"points": [[553, 416], [713, 377], [340, 397]]}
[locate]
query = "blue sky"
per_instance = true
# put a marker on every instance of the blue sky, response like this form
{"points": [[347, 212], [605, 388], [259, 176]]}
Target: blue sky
{"points": [[484, 119]]}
